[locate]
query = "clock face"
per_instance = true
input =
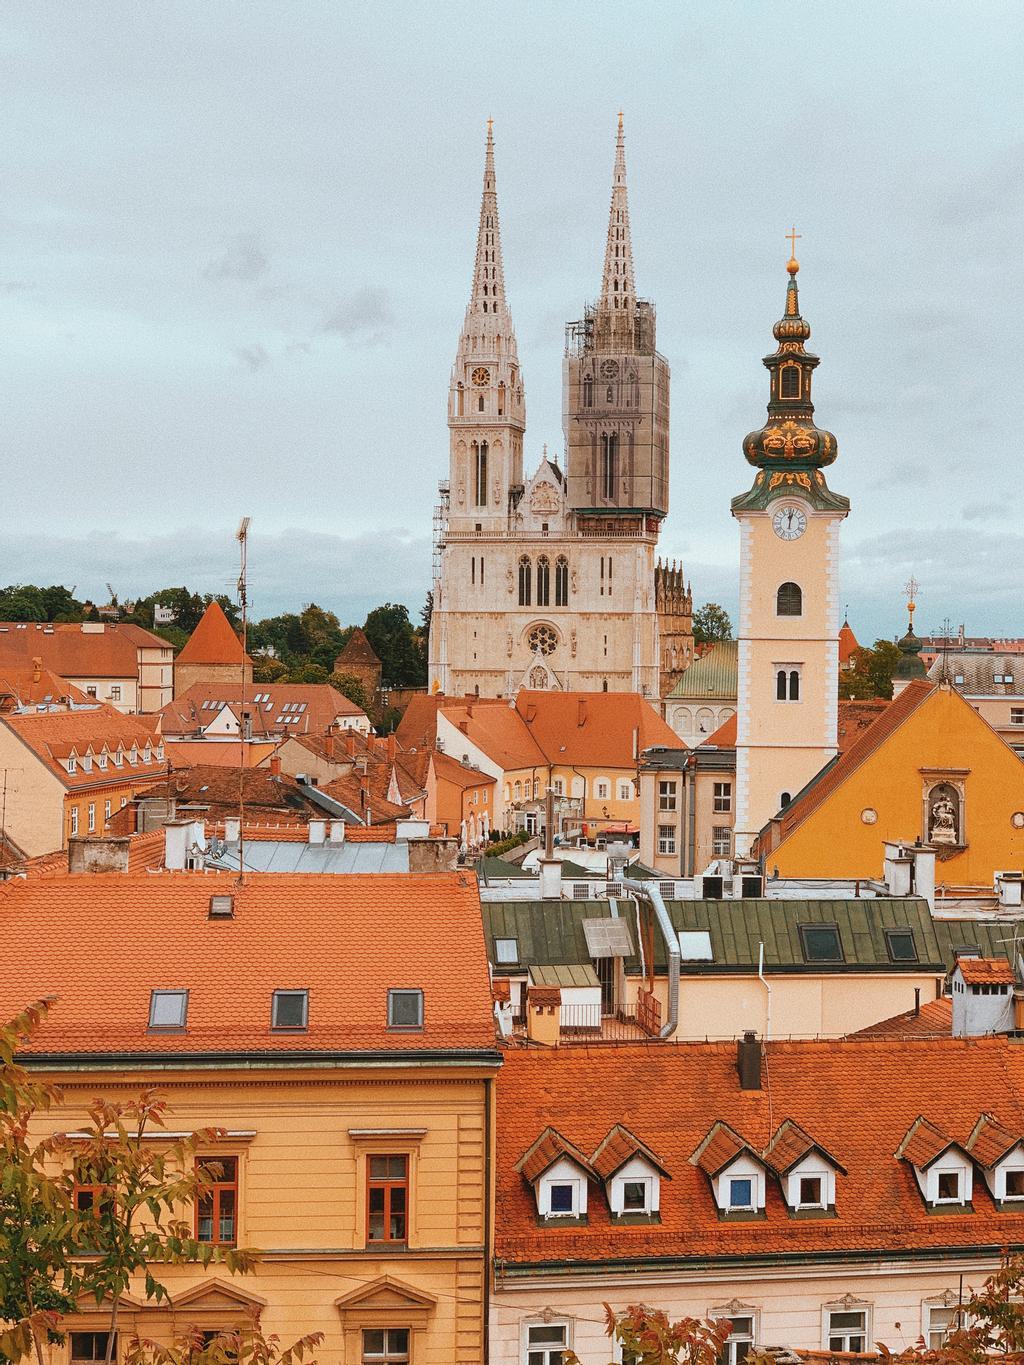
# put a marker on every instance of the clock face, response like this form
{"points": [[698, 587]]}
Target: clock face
{"points": [[609, 368], [481, 376], [789, 522]]}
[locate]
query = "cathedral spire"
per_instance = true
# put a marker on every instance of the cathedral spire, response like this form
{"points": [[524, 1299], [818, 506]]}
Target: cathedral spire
{"points": [[488, 295], [618, 287]]}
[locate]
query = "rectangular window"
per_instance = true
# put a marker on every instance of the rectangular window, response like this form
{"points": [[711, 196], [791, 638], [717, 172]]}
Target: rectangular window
{"points": [[91, 817], [115, 692], [666, 838], [821, 943], [741, 1193], [106, 811], [168, 1009], [900, 945], [721, 841], [1014, 1188], [847, 1331], [405, 1009], [558, 787], [562, 1198], [634, 1196], [90, 1346], [939, 1325], [74, 819], [740, 1342], [810, 1192], [547, 1344], [1017, 715], [723, 797], [385, 1346], [506, 950], [217, 1201], [667, 795], [289, 1010], [90, 691], [387, 1198], [949, 1187]]}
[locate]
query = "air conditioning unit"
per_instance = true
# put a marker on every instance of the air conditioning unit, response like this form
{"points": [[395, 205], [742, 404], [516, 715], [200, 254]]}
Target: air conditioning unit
{"points": [[712, 888], [751, 886]]}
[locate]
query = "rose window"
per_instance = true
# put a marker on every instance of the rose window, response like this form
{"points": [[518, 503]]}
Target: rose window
{"points": [[542, 640]]}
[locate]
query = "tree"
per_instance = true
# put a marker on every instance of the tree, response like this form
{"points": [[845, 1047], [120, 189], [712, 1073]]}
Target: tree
{"points": [[350, 686], [872, 671], [397, 645], [649, 1337], [711, 623], [246, 1346]]}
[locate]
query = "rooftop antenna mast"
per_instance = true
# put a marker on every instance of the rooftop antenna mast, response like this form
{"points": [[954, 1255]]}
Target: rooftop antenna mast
{"points": [[944, 646], [242, 536]]}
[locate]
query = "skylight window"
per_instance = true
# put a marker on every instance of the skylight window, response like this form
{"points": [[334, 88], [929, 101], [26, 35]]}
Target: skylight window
{"points": [[695, 945], [405, 1009], [821, 943], [900, 945], [289, 1010], [506, 950], [168, 1009]]}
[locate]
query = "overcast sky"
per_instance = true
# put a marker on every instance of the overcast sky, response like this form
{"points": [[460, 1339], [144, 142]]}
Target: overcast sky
{"points": [[236, 243]]}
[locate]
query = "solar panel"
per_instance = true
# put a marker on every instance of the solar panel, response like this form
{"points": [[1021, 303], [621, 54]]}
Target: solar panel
{"points": [[607, 938]]}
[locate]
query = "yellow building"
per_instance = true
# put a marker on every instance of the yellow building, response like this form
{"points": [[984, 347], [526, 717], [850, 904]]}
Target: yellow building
{"points": [[930, 769], [340, 1030]]}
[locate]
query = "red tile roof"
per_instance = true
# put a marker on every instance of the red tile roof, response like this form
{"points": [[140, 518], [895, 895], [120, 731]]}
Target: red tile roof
{"points": [[855, 717], [790, 1145], [550, 1147], [29, 686], [145, 854], [448, 769], [719, 1148], [74, 651], [593, 729], [54, 736], [186, 753], [834, 775], [315, 707], [847, 643], [213, 641], [923, 1143], [933, 1020], [725, 736], [618, 1147], [985, 971], [857, 1099], [347, 940], [990, 1141], [357, 650]]}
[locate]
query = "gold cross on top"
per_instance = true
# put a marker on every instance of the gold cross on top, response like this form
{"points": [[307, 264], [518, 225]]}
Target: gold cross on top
{"points": [[793, 237]]}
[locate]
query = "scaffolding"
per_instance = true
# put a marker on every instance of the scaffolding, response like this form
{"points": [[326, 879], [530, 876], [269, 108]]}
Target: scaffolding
{"points": [[440, 524]]}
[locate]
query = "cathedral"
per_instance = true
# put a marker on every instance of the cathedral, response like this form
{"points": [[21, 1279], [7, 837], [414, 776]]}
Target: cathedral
{"points": [[552, 581]]}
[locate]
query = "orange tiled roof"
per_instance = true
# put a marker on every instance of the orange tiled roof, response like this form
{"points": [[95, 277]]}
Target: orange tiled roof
{"points": [[145, 854], [185, 753], [499, 731], [320, 703], [790, 1145], [855, 717], [54, 736], [856, 1098], [847, 643], [593, 729], [923, 1143], [933, 1020], [357, 650], [66, 937], [985, 971], [74, 652], [448, 769], [719, 1147], [27, 685], [618, 1147], [213, 641], [550, 1147], [872, 739], [990, 1141], [364, 794], [725, 736]]}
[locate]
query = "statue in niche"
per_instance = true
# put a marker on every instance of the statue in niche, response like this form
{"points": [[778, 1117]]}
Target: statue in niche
{"points": [[461, 495], [572, 643], [944, 815], [510, 580], [538, 678], [497, 491], [508, 644], [572, 579]]}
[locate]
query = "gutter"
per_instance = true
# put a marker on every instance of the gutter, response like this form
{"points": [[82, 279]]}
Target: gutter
{"points": [[649, 892], [764, 983], [258, 1061]]}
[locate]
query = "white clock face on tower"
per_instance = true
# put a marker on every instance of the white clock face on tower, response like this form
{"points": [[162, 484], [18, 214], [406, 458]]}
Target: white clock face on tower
{"points": [[789, 522]]}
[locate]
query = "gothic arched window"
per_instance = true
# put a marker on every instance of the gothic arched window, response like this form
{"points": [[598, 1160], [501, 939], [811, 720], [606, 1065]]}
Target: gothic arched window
{"points": [[480, 474], [588, 391], [501, 400], [524, 581], [789, 600], [789, 381], [480, 403], [543, 581], [609, 463], [561, 581], [461, 403]]}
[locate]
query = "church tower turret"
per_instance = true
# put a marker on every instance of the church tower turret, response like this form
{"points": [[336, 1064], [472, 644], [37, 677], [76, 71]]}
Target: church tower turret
{"points": [[788, 655], [616, 388], [486, 406]]}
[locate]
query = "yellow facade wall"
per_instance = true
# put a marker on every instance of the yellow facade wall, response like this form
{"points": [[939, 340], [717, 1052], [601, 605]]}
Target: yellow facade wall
{"points": [[943, 733], [302, 1202]]}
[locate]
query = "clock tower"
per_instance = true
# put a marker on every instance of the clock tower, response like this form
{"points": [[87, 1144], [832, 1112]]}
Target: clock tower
{"points": [[788, 658]]}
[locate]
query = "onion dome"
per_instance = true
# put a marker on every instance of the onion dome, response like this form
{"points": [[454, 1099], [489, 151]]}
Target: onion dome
{"points": [[789, 439]]}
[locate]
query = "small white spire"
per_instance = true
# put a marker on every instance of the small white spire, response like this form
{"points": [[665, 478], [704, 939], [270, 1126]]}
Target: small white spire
{"points": [[488, 274], [618, 287]]}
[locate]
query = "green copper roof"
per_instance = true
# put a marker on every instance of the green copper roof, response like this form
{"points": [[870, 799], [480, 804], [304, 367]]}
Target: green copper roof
{"points": [[712, 676]]}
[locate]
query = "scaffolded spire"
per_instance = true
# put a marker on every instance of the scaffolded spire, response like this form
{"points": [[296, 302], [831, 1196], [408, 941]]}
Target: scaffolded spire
{"points": [[618, 287], [488, 274]]}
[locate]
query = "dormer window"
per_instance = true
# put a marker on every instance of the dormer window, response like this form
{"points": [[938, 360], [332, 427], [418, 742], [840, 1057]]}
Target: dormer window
{"points": [[563, 1198], [948, 1188], [999, 1153], [72, 764], [810, 1192], [632, 1175], [741, 1193], [736, 1171], [560, 1175], [944, 1170], [806, 1171]]}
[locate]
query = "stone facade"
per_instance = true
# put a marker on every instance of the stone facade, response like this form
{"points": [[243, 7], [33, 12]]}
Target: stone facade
{"points": [[553, 581]]}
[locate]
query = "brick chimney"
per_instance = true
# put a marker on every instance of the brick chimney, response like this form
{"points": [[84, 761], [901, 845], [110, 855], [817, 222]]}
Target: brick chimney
{"points": [[37, 669], [350, 743], [275, 765], [391, 747], [329, 745]]}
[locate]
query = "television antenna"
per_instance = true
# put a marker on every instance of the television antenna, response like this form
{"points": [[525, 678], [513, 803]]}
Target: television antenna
{"points": [[242, 536]]}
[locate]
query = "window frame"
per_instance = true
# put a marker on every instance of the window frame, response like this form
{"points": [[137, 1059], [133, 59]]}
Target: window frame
{"points": [[217, 1187], [501, 957], [80, 1359], [789, 601], [546, 1352], [809, 958], [748, 1180], [721, 841], [389, 1355], [165, 994], [828, 1334], [667, 840], [303, 993], [731, 1354], [393, 993], [718, 797], [668, 795], [894, 957], [388, 1184]]}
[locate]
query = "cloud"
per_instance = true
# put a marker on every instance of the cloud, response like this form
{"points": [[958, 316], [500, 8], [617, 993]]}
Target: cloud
{"points": [[243, 259], [364, 316], [254, 357]]}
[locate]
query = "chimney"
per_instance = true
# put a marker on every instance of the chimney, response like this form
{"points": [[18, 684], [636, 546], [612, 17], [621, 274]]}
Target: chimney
{"points": [[275, 765], [1008, 887], [232, 829], [329, 746], [924, 874], [178, 838], [464, 726], [898, 870], [581, 712], [317, 831], [336, 832], [37, 669], [98, 855], [412, 829], [350, 744], [391, 748], [748, 1061]]}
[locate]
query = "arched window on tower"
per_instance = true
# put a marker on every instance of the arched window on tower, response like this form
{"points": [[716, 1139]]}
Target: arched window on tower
{"points": [[524, 581], [480, 474], [609, 461], [543, 581], [480, 403], [501, 400], [787, 684], [561, 581], [460, 407], [789, 600], [789, 381], [588, 391]]}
